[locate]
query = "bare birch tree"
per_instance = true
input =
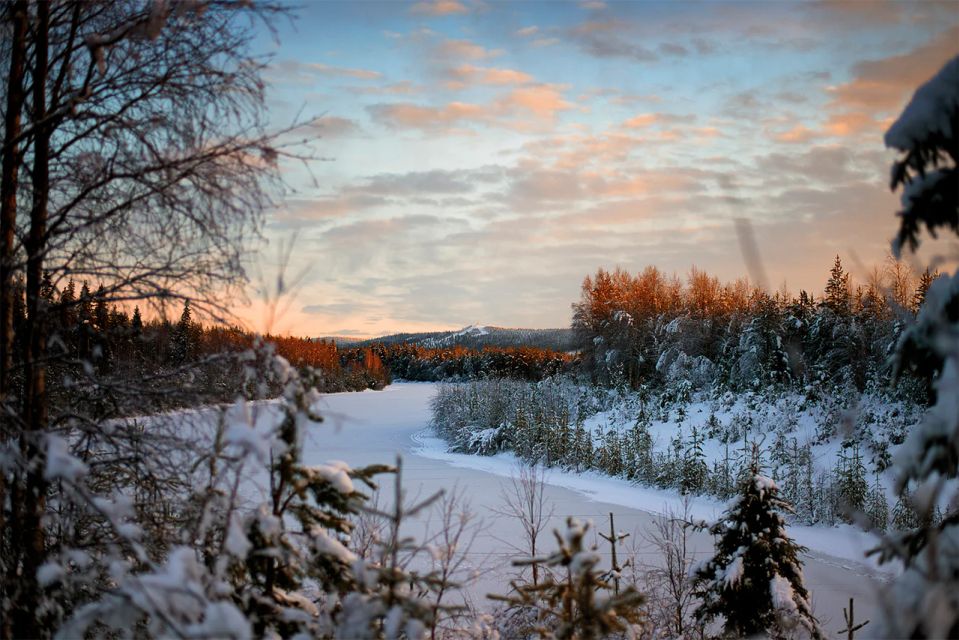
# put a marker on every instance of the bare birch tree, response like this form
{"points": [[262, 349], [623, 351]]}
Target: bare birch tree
{"points": [[136, 155]]}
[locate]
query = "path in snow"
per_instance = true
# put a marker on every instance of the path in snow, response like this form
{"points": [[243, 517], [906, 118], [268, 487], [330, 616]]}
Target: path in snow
{"points": [[372, 427]]}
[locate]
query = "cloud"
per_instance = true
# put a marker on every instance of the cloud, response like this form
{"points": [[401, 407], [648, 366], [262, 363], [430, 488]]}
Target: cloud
{"points": [[299, 212], [883, 85], [526, 32], [522, 108], [401, 88], [798, 134], [846, 124], [427, 118], [334, 127], [468, 74], [436, 182], [644, 120], [304, 72], [465, 49], [602, 39], [439, 8], [543, 101], [545, 42]]}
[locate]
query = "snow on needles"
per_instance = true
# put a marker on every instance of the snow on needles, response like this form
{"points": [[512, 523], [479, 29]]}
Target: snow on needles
{"points": [[931, 112]]}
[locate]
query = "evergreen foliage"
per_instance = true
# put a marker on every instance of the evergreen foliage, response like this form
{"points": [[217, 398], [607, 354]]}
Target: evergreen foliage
{"points": [[925, 598], [754, 581], [574, 601]]}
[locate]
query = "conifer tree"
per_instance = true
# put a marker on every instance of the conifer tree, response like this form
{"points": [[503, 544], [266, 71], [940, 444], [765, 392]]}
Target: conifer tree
{"points": [[181, 342], [926, 595], [574, 601], [837, 296], [754, 582], [922, 288], [136, 324]]}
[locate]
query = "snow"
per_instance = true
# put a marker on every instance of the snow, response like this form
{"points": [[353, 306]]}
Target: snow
{"points": [[372, 427], [782, 595], [221, 620], [930, 112], [734, 572], [337, 473], [50, 573], [326, 544], [236, 543], [842, 542], [61, 464]]}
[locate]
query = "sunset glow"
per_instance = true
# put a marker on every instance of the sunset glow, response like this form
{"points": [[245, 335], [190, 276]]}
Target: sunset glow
{"points": [[479, 159]]}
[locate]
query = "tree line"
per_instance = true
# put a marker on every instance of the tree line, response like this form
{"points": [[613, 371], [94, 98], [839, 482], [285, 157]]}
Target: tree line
{"points": [[650, 328]]}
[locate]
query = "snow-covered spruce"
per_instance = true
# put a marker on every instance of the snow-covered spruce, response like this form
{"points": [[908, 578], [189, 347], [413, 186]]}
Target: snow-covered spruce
{"points": [[924, 601], [754, 582]]}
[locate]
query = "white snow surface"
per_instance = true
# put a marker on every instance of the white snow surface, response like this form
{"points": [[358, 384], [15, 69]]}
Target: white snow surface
{"points": [[373, 427]]}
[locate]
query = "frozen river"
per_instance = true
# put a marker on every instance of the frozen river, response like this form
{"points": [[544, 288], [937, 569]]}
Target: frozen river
{"points": [[373, 427]]}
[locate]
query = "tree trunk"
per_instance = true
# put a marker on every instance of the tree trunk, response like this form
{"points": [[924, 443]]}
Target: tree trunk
{"points": [[32, 543], [8, 219], [8, 187]]}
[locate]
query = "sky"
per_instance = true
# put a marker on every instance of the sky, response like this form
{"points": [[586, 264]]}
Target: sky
{"points": [[473, 161]]}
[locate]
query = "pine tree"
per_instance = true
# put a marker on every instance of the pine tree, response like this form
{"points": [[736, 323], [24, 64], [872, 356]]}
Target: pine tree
{"points": [[754, 582], [181, 342], [136, 324], [837, 296], [851, 485], [925, 280], [694, 467], [877, 509]]}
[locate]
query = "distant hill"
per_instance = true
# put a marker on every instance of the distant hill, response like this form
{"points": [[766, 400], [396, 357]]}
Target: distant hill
{"points": [[341, 340], [477, 337]]}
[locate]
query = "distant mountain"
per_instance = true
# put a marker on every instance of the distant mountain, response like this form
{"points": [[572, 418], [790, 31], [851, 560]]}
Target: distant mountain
{"points": [[477, 337], [341, 340]]}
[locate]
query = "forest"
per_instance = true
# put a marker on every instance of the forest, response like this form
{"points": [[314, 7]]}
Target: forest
{"points": [[164, 478]]}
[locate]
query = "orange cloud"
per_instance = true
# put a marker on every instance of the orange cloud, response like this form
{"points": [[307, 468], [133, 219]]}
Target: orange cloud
{"points": [[439, 8], [797, 134], [642, 121], [413, 116], [847, 124], [467, 74], [464, 49], [885, 84], [543, 101]]}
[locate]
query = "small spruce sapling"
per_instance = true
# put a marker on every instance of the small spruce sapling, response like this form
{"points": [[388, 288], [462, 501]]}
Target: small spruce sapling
{"points": [[754, 582]]}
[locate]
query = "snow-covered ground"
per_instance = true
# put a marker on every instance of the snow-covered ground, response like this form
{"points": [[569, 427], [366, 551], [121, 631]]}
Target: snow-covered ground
{"points": [[373, 427]]}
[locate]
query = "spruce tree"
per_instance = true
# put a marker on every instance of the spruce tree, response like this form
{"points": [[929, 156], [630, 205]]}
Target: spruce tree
{"points": [[837, 296], [181, 346], [925, 597], [754, 582], [136, 324], [925, 280]]}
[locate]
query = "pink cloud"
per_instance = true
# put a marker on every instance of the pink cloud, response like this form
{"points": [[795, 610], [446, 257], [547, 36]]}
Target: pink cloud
{"points": [[466, 74], [439, 8], [464, 49]]}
